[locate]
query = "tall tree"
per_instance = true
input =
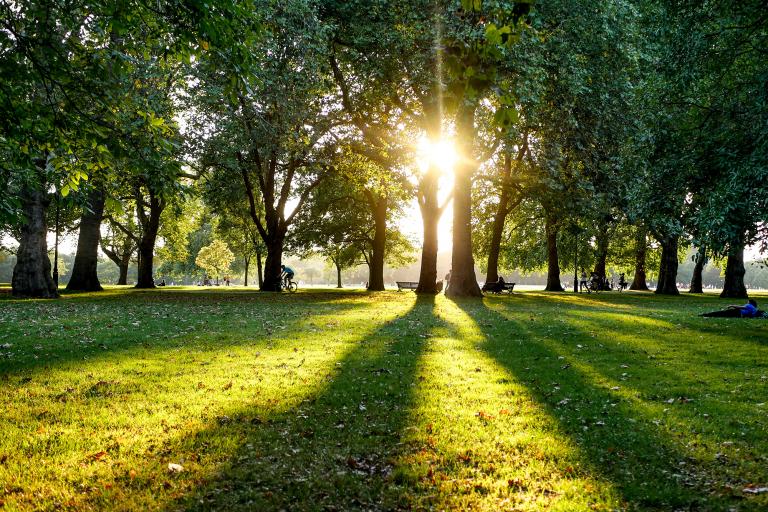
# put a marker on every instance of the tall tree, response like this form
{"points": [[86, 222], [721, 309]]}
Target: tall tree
{"points": [[275, 119]]}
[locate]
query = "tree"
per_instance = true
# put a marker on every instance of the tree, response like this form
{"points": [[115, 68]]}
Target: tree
{"points": [[215, 259], [476, 43], [273, 126]]}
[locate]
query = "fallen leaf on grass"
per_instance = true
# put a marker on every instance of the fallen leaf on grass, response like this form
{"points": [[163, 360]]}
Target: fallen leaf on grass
{"points": [[755, 490], [98, 455], [484, 416], [227, 386], [175, 468]]}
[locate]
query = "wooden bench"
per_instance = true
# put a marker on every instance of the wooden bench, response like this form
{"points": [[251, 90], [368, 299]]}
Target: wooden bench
{"points": [[406, 285], [492, 287]]}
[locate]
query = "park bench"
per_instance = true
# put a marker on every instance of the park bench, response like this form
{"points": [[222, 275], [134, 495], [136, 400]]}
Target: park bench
{"points": [[406, 285], [493, 287]]}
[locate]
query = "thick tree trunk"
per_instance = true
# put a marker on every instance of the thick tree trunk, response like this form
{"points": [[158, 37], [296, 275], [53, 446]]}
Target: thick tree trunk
{"points": [[639, 283], [145, 278], [376, 267], [430, 217], [84, 276], [463, 280], [553, 261], [733, 286], [272, 270], [602, 253], [32, 272], [123, 268], [338, 276], [668, 269], [499, 218], [697, 281], [150, 226], [259, 271]]}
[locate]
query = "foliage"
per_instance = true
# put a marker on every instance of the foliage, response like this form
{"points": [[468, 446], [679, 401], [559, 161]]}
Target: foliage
{"points": [[215, 259]]}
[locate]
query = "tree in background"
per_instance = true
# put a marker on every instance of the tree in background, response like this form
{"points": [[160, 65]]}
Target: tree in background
{"points": [[215, 259]]}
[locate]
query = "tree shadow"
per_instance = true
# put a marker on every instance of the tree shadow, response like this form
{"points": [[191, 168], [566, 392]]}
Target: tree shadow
{"points": [[47, 335], [337, 449], [620, 439]]}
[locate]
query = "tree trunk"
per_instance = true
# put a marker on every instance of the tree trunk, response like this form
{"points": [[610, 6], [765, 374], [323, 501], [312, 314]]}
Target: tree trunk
{"points": [[259, 268], [668, 269], [638, 283], [376, 267], [463, 280], [430, 218], [145, 278], [32, 272], [123, 267], [499, 218], [697, 282], [733, 286], [272, 270], [84, 275], [338, 275], [602, 254], [150, 226], [122, 260], [247, 263], [553, 261]]}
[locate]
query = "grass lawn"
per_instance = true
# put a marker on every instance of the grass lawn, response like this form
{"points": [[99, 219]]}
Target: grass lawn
{"points": [[189, 399]]}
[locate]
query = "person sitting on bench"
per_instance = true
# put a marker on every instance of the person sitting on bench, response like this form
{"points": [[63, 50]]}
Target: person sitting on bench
{"points": [[496, 287], [748, 310]]}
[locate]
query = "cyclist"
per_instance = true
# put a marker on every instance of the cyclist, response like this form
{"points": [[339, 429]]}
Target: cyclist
{"points": [[287, 274]]}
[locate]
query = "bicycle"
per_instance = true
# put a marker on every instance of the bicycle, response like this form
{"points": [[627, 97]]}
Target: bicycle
{"points": [[289, 285]]}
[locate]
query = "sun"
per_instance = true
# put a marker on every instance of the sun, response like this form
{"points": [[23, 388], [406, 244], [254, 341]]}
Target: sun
{"points": [[441, 153]]}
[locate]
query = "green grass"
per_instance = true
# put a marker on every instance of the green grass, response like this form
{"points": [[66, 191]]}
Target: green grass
{"points": [[346, 400]]}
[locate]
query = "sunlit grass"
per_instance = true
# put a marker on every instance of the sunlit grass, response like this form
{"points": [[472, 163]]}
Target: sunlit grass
{"points": [[349, 400]]}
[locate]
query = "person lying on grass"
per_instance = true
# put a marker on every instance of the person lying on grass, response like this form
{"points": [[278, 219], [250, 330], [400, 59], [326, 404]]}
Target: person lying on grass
{"points": [[748, 310]]}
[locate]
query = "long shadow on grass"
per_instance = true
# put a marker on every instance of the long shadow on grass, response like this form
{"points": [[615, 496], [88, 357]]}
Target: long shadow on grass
{"points": [[48, 335], [644, 465], [336, 450]]}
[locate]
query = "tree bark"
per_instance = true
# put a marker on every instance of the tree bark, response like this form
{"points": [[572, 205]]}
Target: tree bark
{"points": [[638, 282], [463, 280], [247, 263], [84, 276], [430, 218], [272, 270], [121, 259], [697, 282], [553, 261], [733, 286], [338, 276], [32, 272], [259, 268], [499, 218], [602, 254], [123, 277], [667, 284], [145, 279], [376, 267], [150, 227]]}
